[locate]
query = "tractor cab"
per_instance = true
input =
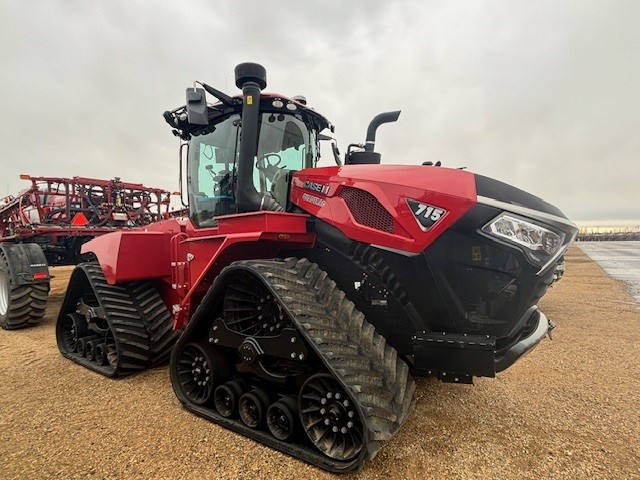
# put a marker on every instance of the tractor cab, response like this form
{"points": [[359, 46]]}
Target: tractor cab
{"points": [[242, 151], [286, 143]]}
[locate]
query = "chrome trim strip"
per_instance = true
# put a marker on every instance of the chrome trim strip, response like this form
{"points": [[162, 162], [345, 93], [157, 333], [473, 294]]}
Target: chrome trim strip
{"points": [[557, 255], [527, 212], [395, 250]]}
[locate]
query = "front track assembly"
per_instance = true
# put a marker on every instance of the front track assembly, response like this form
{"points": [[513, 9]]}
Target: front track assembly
{"points": [[276, 352], [114, 330]]}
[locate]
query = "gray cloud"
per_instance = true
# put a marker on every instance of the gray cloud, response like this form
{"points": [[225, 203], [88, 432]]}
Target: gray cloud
{"points": [[542, 95]]}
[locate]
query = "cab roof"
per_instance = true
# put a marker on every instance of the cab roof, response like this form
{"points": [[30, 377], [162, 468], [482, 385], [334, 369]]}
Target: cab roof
{"points": [[269, 102]]}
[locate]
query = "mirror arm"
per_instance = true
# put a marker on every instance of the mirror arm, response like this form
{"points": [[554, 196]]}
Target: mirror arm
{"points": [[336, 152], [180, 179], [223, 97]]}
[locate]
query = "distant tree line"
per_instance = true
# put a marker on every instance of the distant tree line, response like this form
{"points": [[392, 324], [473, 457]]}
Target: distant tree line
{"points": [[608, 236]]}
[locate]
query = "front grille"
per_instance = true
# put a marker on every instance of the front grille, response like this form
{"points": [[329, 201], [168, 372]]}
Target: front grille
{"points": [[366, 209]]}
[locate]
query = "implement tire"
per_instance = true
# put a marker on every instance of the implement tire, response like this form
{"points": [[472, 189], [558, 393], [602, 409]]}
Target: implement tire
{"points": [[20, 305]]}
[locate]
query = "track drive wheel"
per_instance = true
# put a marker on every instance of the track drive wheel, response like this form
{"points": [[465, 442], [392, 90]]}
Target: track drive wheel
{"points": [[72, 327]]}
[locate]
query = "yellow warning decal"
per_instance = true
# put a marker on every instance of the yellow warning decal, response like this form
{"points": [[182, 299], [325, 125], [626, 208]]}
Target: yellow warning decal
{"points": [[476, 254], [249, 99]]}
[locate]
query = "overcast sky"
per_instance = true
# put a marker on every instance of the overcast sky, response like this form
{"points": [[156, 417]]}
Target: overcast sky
{"points": [[541, 95]]}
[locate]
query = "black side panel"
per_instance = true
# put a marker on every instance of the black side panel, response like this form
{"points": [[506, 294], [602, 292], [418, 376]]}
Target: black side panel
{"points": [[488, 187], [396, 293], [487, 286], [463, 283]]}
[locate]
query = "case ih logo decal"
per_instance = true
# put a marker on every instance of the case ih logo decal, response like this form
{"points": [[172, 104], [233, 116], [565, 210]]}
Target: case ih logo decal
{"points": [[317, 187], [426, 215]]}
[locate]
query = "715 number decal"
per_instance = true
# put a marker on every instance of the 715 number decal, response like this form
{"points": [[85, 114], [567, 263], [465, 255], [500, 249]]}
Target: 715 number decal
{"points": [[426, 215]]}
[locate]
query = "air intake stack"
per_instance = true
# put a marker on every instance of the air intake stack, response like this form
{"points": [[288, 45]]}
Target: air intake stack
{"points": [[252, 79]]}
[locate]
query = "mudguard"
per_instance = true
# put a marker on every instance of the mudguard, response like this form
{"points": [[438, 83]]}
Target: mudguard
{"points": [[27, 263]]}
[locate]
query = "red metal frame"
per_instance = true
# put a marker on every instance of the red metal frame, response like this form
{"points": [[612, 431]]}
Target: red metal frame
{"points": [[79, 206], [185, 260]]}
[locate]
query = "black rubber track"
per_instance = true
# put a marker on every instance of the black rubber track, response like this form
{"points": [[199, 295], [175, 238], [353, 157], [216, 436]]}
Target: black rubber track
{"points": [[26, 304], [350, 348], [137, 316]]}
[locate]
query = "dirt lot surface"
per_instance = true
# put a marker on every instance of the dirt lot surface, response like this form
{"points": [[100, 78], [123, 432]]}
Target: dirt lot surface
{"points": [[567, 410]]}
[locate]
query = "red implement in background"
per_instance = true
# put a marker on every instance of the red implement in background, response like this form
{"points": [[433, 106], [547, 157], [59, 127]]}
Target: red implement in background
{"points": [[60, 214]]}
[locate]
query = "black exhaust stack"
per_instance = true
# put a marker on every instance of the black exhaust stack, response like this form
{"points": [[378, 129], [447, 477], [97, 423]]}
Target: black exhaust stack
{"points": [[368, 155], [386, 117], [251, 78]]}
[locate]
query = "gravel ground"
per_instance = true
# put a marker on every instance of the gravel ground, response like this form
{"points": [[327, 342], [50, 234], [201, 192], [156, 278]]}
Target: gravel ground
{"points": [[567, 410]]}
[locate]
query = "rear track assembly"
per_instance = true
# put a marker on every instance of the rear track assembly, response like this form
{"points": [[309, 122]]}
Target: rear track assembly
{"points": [[113, 329], [276, 352]]}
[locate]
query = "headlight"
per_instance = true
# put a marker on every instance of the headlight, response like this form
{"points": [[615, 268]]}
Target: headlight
{"points": [[540, 243]]}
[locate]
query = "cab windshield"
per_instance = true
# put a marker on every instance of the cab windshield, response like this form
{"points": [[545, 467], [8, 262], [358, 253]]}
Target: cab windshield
{"points": [[285, 144]]}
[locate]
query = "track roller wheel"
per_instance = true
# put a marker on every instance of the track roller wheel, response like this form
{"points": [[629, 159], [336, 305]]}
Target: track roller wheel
{"points": [[90, 349], [72, 327], [329, 417], [227, 396], [282, 417], [101, 354], [81, 344], [198, 370], [253, 407]]}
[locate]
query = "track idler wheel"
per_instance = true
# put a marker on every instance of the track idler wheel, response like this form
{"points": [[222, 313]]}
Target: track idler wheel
{"points": [[253, 407], [329, 417], [72, 327], [227, 396], [282, 417], [199, 369]]}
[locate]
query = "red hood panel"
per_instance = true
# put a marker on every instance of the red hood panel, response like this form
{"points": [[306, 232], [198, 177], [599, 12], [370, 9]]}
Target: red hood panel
{"points": [[318, 191]]}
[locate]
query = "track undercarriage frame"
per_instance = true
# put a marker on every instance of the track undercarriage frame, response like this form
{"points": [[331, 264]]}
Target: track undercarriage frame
{"points": [[276, 352]]}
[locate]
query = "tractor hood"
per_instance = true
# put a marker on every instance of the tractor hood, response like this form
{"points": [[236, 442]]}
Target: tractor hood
{"points": [[406, 207]]}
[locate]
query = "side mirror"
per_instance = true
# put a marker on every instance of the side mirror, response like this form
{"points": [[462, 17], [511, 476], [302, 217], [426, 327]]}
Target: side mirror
{"points": [[197, 107]]}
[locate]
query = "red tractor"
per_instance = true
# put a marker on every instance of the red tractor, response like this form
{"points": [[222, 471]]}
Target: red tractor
{"points": [[306, 296]]}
